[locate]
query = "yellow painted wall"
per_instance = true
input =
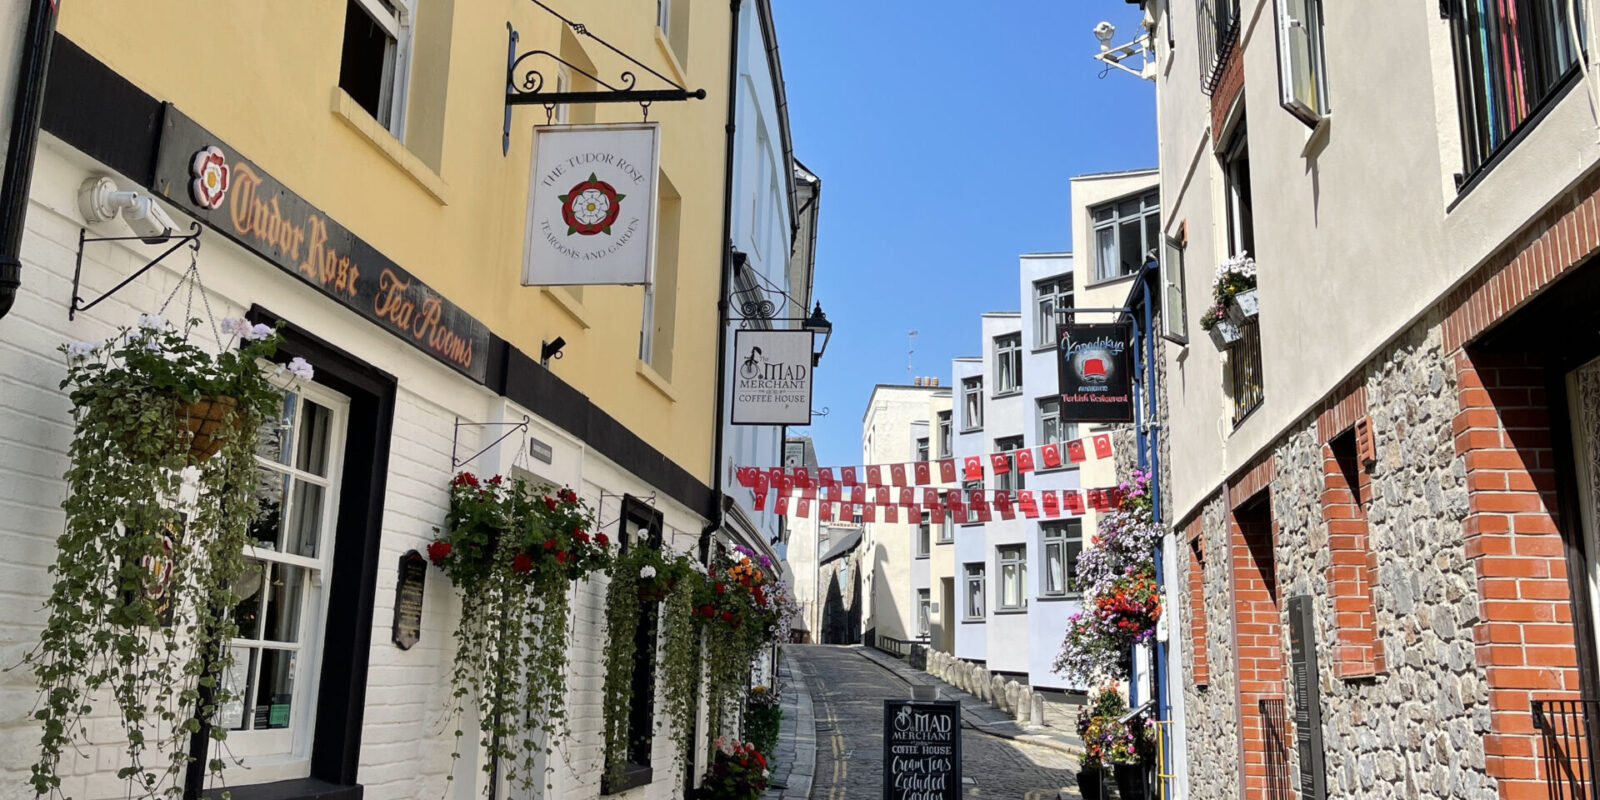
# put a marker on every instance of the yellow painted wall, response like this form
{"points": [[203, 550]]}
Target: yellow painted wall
{"points": [[263, 75]]}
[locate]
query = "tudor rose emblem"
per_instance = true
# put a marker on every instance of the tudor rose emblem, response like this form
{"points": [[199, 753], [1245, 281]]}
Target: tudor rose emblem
{"points": [[591, 207], [209, 170]]}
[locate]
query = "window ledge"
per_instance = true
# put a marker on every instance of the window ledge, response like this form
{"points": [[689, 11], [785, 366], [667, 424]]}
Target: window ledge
{"points": [[633, 776], [1096, 284], [346, 109], [656, 381], [671, 56], [973, 621], [1044, 348], [1054, 470], [970, 430], [296, 789], [1058, 598], [1008, 612], [1000, 395], [569, 303]]}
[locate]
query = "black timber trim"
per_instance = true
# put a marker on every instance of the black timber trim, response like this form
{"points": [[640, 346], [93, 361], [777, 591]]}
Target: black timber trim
{"points": [[97, 111], [301, 789]]}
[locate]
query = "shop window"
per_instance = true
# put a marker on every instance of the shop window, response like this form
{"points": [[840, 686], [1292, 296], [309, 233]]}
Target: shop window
{"points": [[1062, 543], [640, 526], [971, 404], [1126, 231], [1011, 480], [1051, 429], [1510, 59], [375, 66], [1012, 560], [976, 587], [1051, 297], [659, 327], [1302, 71], [946, 443], [1007, 364]]}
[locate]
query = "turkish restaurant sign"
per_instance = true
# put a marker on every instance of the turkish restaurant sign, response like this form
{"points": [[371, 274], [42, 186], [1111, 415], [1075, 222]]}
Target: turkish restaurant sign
{"points": [[591, 205], [1095, 373], [222, 188]]}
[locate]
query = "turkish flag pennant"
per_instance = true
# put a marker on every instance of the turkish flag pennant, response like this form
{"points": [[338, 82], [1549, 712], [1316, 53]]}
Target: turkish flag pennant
{"points": [[785, 485], [803, 508], [897, 474], [955, 501], [1102, 446], [930, 498], [847, 476], [802, 478], [976, 499], [825, 476], [908, 496], [1051, 455], [947, 470], [869, 513], [763, 483], [880, 496], [891, 514], [1001, 463], [972, 468], [746, 476], [1052, 504], [779, 474], [1114, 497], [874, 475], [782, 506], [761, 501], [1025, 460], [1075, 451], [983, 514], [825, 512], [1007, 512], [936, 515], [809, 493], [924, 473], [1074, 501], [830, 493], [1029, 506], [914, 515], [1097, 500], [1002, 501]]}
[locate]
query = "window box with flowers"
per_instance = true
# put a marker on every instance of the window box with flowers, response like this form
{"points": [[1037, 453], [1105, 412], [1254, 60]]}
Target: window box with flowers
{"points": [[1234, 300]]}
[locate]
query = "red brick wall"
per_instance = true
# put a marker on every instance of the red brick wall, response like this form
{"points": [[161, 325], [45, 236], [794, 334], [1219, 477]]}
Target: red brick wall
{"points": [[1229, 87], [1258, 643], [1346, 492], [1197, 609], [1525, 639]]}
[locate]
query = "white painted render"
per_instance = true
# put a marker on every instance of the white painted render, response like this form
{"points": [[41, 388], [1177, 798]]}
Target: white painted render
{"points": [[886, 438]]}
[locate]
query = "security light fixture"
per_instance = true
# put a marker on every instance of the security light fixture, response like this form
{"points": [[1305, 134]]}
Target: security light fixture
{"points": [[1114, 56], [818, 323]]}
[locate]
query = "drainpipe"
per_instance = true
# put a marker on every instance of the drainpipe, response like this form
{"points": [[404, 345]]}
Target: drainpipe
{"points": [[718, 511], [25, 110]]}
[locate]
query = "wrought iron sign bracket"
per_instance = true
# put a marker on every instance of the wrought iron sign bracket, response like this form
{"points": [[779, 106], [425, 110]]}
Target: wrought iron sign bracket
{"points": [[192, 239], [526, 88], [455, 439]]}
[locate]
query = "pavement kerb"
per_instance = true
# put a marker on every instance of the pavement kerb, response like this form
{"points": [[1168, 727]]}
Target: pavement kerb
{"points": [[799, 728], [1005, 730]]}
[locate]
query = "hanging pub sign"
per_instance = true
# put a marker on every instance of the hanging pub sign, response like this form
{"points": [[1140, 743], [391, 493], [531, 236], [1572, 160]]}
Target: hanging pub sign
{"points": [[772, 377], [217, 185], [591, 205], [1096, 378]]}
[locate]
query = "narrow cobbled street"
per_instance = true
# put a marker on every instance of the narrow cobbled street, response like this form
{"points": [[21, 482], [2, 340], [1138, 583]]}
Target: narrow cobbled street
{"points": [[847, 692]]}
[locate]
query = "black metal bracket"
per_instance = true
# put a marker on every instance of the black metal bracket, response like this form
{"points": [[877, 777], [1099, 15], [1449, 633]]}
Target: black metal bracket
{"points": [[758, 305], [455, 439], [527, 87], [191, 239]]}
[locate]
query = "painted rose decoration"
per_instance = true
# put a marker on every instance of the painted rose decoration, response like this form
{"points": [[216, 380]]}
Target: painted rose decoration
{"points": [[591, 207], [210, 171]]}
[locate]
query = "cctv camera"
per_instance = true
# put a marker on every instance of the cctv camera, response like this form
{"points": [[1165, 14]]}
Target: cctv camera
{"points": [[101, 201], [1104, 31]]}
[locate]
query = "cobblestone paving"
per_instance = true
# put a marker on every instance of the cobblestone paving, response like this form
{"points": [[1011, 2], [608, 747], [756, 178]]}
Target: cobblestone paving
{"points": [[847, 694]]}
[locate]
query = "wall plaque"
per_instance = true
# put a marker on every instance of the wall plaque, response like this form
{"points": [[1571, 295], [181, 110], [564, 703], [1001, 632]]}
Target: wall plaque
{"points": [[921, 750], [1307, 698], [408, 599]]}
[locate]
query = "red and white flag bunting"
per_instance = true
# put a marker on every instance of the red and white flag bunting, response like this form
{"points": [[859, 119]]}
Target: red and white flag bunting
{"points": [[887, 504]]}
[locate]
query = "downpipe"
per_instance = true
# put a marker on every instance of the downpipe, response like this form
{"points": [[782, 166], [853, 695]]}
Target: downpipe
{"points": [[26, 108]]}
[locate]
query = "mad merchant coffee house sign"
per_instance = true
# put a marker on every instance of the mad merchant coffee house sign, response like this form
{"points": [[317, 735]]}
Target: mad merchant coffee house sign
{"points": [[230, 193]]}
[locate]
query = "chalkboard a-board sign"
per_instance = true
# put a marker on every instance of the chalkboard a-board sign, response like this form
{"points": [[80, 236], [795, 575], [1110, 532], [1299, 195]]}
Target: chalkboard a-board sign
{"points": [[408, 599], [1307, 699], [921, 750]]}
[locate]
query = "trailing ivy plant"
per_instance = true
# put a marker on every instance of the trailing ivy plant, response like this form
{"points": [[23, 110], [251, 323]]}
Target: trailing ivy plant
{"points": [[512, 551], [140, 611], [744, 607]]}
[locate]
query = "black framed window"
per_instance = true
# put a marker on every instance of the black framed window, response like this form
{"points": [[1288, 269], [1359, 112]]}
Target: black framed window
{"points": [[924, 539], [1012, 559], [1051, 429], [1050, 298], [966, 491], [1241, 209], [640, 526], [1125, 232], [1217, 22], [1007, 364]]}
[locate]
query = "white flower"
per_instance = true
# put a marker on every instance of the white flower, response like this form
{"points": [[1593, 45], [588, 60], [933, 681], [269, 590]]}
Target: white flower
{"points": [[301, 368], [83, 349], [591, 206], [258, 332], [234, 326], [647, 571], [153, 345], [151, 322]]}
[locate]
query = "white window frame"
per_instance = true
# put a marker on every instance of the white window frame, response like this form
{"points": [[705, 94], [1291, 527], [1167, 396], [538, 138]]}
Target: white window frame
{"points": [[257, 756], [1012, 559], [972, 399], [947, 530], [974, 573], [1302, 61], [1241, 237], [947, 438], [1007, 359], [923, 546], [664, 16], [1011, 480], [1113, 225], [1065, 431], [924, 613], [1060, 535], [924, 448], [1174, 298], [397, 72], [966, 495], [1047, 301]]}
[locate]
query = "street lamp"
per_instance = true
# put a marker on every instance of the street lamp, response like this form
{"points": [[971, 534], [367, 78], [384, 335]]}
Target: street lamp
{"points": [[818, 323]]}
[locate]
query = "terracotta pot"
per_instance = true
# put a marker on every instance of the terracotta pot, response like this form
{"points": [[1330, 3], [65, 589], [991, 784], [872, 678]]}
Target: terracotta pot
{"points": [[207, 419]]}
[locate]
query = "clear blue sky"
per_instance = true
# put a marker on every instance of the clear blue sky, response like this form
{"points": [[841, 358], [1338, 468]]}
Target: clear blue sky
{"points": [[944, 134]]}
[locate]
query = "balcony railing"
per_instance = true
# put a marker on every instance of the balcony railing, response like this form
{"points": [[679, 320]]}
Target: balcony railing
{"points": [[1218, 33], [1244, 371], [1563, 727]]}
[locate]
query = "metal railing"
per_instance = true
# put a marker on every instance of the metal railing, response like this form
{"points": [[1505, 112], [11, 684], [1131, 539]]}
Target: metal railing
{"points": [[1244, 371], [1275, 736], [899, 648], [1563, 727], [1218, 33], [1165, 759]]}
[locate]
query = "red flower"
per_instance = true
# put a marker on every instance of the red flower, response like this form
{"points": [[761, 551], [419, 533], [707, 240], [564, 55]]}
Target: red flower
{"points": [[720, 588], [601, 540], [761, 759], [438, 552], [760, 598], [496, 480], [521, 563], [550, 503], [561, 556], [465, 479], [727, 616], [567, 496], [549, 544], [708, 611], [580, 535]]}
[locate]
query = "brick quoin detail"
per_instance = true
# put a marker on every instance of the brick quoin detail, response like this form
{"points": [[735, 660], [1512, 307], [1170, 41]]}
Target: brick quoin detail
{"points": [[1524, 640], [1346, 492], [1340, 411], [1258, 644], [1197, 604], [1229, 87], [1250, 483]]}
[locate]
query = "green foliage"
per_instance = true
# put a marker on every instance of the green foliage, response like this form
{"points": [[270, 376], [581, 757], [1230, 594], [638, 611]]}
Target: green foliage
{"points": [[762, 718], [140, 607], [738, 772], [1106, 738], [512, 552]]}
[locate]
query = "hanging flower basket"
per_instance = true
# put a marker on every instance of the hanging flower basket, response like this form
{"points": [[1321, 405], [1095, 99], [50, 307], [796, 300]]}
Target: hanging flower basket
{"points": [[211, 421], [1243, 307], [1224, 333]]}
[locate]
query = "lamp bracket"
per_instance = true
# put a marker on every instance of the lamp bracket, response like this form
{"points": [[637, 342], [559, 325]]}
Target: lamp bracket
{"points": [[526, 88], [192, 239], [455, 439]]}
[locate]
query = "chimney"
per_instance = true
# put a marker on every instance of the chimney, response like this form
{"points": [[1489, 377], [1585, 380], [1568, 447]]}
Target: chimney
{"points": [[935, 381], [918, 382]]}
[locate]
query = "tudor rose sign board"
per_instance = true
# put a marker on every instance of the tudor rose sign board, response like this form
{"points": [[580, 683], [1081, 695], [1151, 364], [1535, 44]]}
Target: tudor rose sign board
{"points": [[592, 205]]}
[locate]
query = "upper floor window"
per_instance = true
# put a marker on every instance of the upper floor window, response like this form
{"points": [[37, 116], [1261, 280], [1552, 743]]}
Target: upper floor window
{"points": [[924, 612], [1012, 560], [1245, 387], [947, 530], [1051, 429], [1217, 23], [1510, 58], [971, 404], [922, 448], [1236, 177], [1125, 231], [1302, 70], [1007, 364], [1050, 297], [1011, 480], [924, 540], [375, 67], [976, 587], [946, 442], [1062, 541], [966, 490]]}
